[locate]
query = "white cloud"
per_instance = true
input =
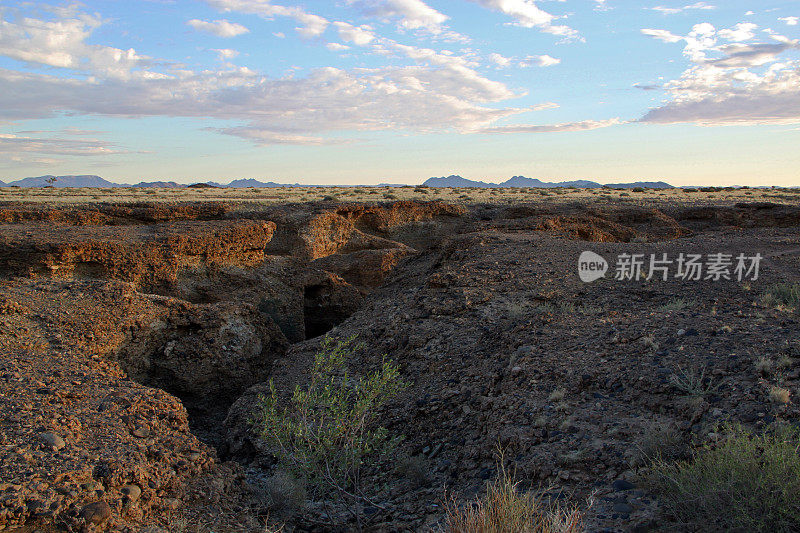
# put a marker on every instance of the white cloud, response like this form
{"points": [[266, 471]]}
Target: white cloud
{"points": [[744, 31], [790, 21], [413, 14], [11, 143], [337, 47], [662, 35], [264, 137], [312, 25], [500, 60], [420, 90], [540, 61], [735, 83], [700, 40], [220, 28], [676, 10], [528, 15], [585, 125], [61, 43], [529, 61], [358, 35], [226, 53], [748, 55], [600, 5], [441, 92]]}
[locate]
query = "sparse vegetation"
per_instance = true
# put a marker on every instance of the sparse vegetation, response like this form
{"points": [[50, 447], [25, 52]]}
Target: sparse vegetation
{"points": [[784, 296], [282, 494], [779, 395], [504, 509], [415, 469], [659, 443], [694, 384], [677, 304], [746, 482], [557, 395], [327, 436], [649, 342], [765, 366]]}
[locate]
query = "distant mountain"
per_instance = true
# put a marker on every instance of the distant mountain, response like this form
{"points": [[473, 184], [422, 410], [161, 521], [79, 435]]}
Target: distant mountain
{"points": [[581, 184], [97, 181], [522, 181], [64, 181], [457, 181], [161, 184], [448, 181], [645, 184], [250, 182]]}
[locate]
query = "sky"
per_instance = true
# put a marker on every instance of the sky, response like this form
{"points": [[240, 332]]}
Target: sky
{"points": [[396, 91]]}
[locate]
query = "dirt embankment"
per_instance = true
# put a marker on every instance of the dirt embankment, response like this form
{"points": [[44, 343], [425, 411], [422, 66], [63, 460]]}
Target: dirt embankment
{"points": [[126, 332], [108, 312]]}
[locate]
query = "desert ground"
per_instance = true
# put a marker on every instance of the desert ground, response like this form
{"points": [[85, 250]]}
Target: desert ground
{"points": [[467, 195], [140, 330]]}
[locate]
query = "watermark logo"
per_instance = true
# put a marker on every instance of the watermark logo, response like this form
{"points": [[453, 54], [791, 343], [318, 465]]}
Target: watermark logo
{"points": [[591, 266], [688, 267]]}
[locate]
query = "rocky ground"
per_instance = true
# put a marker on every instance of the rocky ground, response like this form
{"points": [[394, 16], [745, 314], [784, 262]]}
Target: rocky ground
{"points": [[135, 339]]}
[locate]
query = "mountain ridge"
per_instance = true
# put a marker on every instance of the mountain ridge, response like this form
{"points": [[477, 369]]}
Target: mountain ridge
{"points": [[87, 180], [521, 181]]}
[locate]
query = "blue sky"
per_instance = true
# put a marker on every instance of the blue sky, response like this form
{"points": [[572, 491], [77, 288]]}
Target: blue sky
{"points": [[369, 91]]}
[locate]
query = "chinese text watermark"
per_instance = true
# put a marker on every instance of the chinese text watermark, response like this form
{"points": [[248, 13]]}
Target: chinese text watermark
{"points": [[688, 267]]}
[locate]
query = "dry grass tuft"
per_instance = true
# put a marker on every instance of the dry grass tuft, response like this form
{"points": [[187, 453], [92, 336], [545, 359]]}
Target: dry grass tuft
{"points": [[765, 366], [505, 509], [779, 395], [557, 395]]}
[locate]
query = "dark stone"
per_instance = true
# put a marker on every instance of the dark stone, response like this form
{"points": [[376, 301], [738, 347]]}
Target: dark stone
{"points": [[621, 484], [622, 508], [96, 513]]}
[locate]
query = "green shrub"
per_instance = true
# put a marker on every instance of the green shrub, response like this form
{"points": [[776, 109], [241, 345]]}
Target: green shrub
{"points": [[746, 482], [328, 434]]}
